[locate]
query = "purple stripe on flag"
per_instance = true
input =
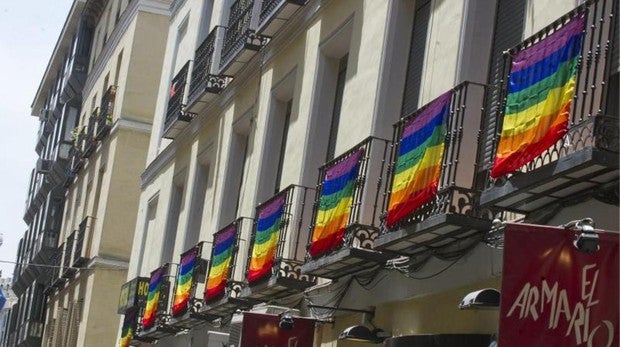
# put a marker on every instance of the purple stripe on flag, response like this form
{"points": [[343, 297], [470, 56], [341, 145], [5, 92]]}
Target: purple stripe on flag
{"points": [[550, 44], [273, 206], [427, 114], [344, 166]]}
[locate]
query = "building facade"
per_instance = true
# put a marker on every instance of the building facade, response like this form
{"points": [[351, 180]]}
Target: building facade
{"points": [[105, 153], [57, 104], [273, 166]]}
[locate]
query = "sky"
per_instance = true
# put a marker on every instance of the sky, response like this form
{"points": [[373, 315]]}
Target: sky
{"points": [[28, 33]]}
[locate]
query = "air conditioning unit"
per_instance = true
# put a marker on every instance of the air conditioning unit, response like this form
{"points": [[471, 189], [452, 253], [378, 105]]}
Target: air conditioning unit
{"points": [[236, 324], [43, 166], [215, 338]]}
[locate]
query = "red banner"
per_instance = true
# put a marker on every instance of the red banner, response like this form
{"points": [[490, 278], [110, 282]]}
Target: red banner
{"points": [[262, 330], [555, 295]]}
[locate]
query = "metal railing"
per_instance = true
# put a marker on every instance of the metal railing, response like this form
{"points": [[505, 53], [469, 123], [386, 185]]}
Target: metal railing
{"points": [[362, 226], [82, 242], [106, 109], [176, 102], [456, 187], [269, 6], [204, 76], [66, 263], [238, 24], [289, 232], [589, 124]]}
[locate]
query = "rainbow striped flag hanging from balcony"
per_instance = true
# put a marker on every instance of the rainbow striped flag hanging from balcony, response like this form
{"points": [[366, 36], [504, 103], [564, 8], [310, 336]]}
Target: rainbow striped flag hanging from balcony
{"points": [[335, 205], [127, 331], [418, 165], [152, 299], [224, 244], [266, 239], [540, 91], [185, 280]]}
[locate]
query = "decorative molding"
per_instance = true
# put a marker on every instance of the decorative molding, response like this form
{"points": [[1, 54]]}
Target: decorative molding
{"points": [[160, 7], [98, 261], [131, 124]]}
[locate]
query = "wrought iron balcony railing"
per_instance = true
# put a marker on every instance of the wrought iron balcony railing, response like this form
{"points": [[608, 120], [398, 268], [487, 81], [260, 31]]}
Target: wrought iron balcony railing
{"points": [[81, 253], [205, 73], [241, 40], [106, 110], [68, 270], [345, 217], [177, 117], [154, 321], [90, 143], [275, 13], [275, 255], [586, 157]]}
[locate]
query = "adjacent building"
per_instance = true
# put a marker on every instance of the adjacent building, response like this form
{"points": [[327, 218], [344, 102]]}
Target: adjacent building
{"points": [[279, 148], [57, 104]]}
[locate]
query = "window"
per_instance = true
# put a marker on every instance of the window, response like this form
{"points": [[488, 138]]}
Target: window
{"points": [[284, 137], [334, 125], [509, 24], [197, 206], [172, 223], [149, 225], [417, 51]]}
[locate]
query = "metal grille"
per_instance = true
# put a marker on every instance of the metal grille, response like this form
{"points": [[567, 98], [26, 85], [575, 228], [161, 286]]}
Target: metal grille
{"points": [[202, 63], [176, 102], [238, 24], [588, 123]]}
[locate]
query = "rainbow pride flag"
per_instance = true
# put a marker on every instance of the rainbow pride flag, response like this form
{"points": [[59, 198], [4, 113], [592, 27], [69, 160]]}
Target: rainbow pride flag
{"points": [[152, 299], [127, 331], [539, 97], [224, 243], [185, 280], [266, 238], [418, 165], [335, 205]]}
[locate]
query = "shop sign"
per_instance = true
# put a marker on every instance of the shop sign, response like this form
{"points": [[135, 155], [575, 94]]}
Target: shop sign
{"points": [[555, 295], [262, 330]]}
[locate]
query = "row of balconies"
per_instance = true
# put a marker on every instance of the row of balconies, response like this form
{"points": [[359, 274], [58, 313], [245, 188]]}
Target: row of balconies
{"points": [[73, 254], [221, 55], [86, 139], [41, 252], [358, 220], [365, 232]]}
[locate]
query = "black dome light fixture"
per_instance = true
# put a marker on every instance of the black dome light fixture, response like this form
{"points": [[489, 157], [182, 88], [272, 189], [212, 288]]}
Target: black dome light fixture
{"points": [[286, 321], [365, 332]]}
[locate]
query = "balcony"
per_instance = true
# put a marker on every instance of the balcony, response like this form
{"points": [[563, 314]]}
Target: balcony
{"points": [[275, 13], [176, 116], [42, 252], [585, 160], [81, 253], [30, 333], [76, 158], [192, 272], [74, 78], [273, 271], [206, 81], [68, 270], [222, 296], [154, 322], [421, 218], [89, 143], [345, 217], [56, 281], [241, 42], [106, 110]]}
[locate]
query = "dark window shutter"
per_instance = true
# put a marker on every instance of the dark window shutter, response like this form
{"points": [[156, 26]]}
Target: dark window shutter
{"points": [[508, 32], [416, 57]]}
